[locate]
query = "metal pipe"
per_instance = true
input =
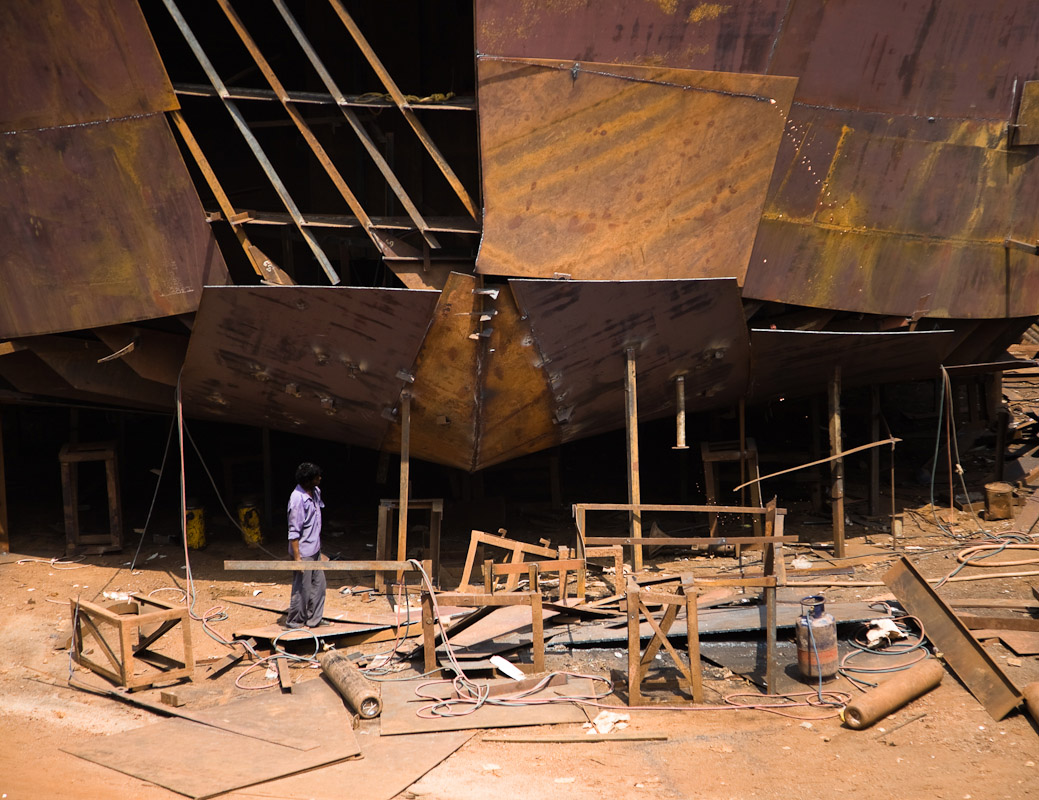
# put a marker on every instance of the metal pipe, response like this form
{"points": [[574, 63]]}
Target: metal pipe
{"points": [[893, 694]]}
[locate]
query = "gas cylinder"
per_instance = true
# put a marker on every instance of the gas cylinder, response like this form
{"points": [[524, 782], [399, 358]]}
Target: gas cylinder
{"points": [[816, 640]]}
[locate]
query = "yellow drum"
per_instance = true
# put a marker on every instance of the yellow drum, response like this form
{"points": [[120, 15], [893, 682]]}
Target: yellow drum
{"points": [[195, 527], [249, 522]]}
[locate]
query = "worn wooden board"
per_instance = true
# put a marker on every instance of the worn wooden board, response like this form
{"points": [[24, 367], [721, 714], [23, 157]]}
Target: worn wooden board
{"points": [[477, 640], [283, 634], [717, 620], [335, 613], [388, 766], [1022, 643], [400, 704], [199, 761], [960, 650]]}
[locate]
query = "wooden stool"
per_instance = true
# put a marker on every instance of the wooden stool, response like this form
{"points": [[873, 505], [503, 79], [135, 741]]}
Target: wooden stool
{"points": [[714, 453], [77, 542], [113, 631], [639, 662], [387, 512]]}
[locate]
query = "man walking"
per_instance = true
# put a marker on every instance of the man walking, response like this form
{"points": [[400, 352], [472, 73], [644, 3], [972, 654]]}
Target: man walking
{"points": [[307, 605]]}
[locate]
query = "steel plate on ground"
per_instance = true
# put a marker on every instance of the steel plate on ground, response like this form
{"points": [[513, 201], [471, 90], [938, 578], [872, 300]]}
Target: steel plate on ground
{"points": [[694, 328], [316, 360], [960, 650], [617, 171]]}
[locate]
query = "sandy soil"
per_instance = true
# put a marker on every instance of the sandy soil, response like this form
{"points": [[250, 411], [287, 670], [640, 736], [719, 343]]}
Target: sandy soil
{"points": [[954, 751]]}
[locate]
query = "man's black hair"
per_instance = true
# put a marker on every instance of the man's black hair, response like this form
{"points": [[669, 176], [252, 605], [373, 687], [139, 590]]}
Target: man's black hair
{"points": [[307, 472]]}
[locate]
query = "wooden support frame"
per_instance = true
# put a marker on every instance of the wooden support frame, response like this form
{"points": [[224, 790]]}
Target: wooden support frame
{"points": [[518, 551], [465, 600], [387, 510], [561, 566], [634, 485], [125, 656], [639, 662], [77, 542], [744, 452], [616, 552]]}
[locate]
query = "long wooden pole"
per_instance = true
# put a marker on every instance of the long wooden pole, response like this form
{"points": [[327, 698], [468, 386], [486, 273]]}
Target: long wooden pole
{"points": [[874, 456], [837, 465], [5, 536], [405, 477], [634, 490]]}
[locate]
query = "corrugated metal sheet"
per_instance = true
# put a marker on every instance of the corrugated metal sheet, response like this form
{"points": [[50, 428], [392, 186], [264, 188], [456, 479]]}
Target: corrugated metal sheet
{"points": [[619, 172], [102, 226], [77, 62]]}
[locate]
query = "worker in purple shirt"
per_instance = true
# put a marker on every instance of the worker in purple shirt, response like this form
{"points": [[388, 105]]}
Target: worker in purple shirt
{"points": [[307, 605]]}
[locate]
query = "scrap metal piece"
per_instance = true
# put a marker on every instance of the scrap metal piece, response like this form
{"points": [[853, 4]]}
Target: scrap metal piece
{"points": [[614, 171], [267, 356], [960, 650]]}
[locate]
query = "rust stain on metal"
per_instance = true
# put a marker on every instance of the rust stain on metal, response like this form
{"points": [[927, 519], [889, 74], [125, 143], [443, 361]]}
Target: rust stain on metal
{"points": [[103, 227], [870, 213], [319, 361], [693, 328], [445, 395], [800, 363], [67, 63], [613, 171]]}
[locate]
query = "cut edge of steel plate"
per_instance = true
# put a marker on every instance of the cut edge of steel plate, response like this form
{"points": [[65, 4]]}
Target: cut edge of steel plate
{"points": [[963, 654]]}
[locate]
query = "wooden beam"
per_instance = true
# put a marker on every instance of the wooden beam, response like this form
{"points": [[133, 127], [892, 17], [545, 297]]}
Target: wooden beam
{"points": [[405, 477], [837, 465], [874, 455], [634, 489], [327, 566]]}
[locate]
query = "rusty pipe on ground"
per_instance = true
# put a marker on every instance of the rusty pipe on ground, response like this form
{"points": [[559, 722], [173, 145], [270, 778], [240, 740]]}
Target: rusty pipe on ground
{"points": [[362, 695], [891, 695]]}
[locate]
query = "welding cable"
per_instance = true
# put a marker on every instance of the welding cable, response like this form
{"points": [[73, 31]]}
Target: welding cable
{"points": [[973, 556], [900, 648], [155, 493], [469, 699], [59, 563]]}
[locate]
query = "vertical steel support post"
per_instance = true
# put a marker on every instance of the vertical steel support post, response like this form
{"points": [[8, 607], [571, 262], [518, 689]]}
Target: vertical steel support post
{"points": [[837, 465], [634, 490], [405, 466]]}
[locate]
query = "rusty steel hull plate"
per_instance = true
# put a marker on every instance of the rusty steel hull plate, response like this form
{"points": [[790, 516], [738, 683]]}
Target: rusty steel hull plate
{"points": [[800, 363], [890, 215], [73, 62], [605, 171], [319, 361], [960, 650], [103, 226], [581, 330]]}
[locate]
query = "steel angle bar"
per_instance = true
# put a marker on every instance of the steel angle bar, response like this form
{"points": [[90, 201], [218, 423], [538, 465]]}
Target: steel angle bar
{"points": [[960, 650], [404, 107], [251, 140], [355, 123], [262, 266], [301, 124]]}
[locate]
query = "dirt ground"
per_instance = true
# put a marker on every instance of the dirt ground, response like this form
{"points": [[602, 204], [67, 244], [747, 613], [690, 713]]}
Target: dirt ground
{"points": [[949, 748]]}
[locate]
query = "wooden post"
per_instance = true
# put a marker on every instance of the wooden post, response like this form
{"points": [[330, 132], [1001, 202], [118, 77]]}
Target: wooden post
{"points": [[837, 465], [405, 463], [5, 535], [429, 635], [874, 454], [634, 644], [680, 414], [816, 452], [634, 490]]}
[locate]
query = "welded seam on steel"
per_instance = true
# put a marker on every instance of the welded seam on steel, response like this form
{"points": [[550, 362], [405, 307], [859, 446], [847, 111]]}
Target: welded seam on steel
{"points": [[251, 141], [355, 124], [576, 69]]}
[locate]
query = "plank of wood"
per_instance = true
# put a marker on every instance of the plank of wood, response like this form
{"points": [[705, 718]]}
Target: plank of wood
{"points": [[976, 622], [580, 738], [282, 634], [325, 566], [284, 678]]}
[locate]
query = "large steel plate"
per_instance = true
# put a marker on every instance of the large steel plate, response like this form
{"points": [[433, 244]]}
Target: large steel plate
{"points": [[606, 171], [801, 363], [694, 328], [101, 226], [318, 361]]}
